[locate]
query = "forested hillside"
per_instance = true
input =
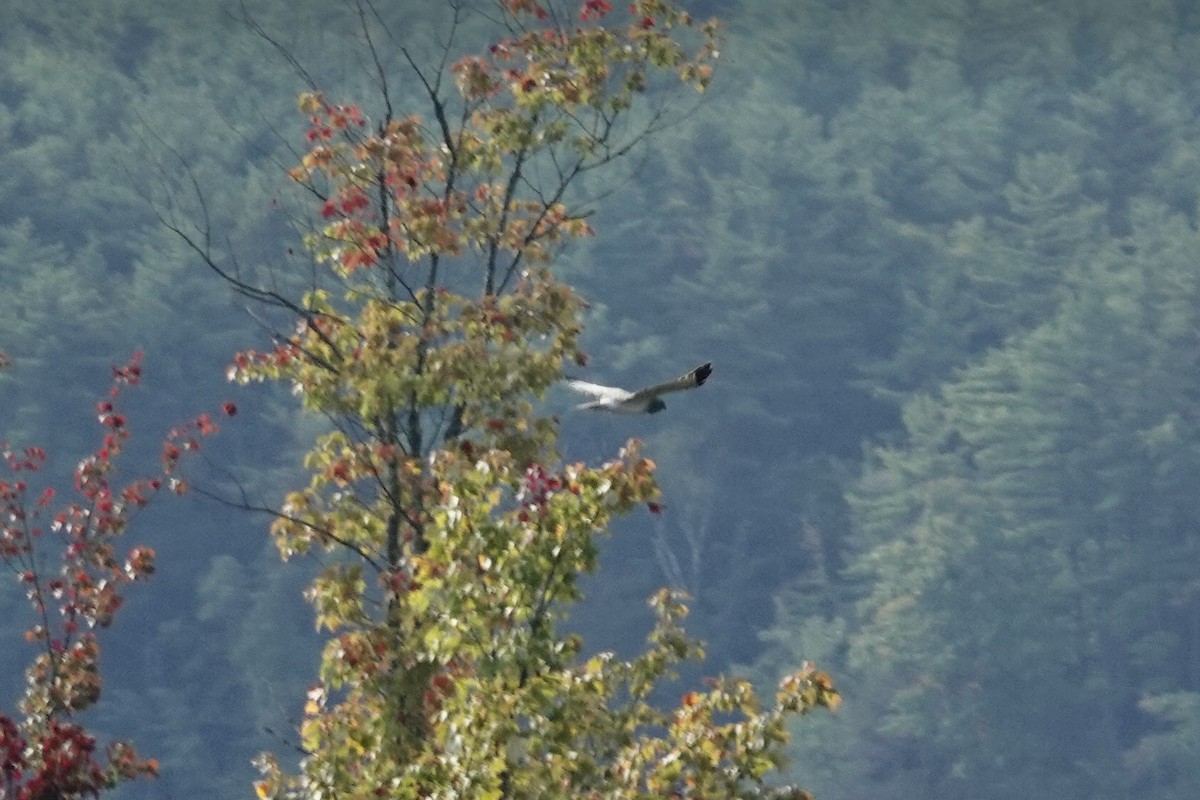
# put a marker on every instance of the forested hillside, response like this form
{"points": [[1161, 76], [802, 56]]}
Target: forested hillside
{"points": [[941, 253]]}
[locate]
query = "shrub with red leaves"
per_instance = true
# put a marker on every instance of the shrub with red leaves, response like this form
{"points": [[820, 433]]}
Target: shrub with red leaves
{"points": [[43, 756]]}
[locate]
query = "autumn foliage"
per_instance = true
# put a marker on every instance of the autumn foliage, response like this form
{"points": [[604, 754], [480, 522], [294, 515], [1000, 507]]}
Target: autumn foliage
{"points": [[461, 531], [455, 529], [43, 753]]}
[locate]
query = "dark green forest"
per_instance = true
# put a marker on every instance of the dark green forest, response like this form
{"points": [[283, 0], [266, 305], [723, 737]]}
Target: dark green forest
{"points": [[943, 255]]}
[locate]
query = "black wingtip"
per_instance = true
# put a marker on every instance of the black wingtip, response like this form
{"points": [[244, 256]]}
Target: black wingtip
{"points": [[702, 372]]}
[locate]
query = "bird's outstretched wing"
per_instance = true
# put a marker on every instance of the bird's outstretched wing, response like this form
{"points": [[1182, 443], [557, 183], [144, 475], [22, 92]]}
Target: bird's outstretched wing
{"points": [[695, 378], [610, 394]]}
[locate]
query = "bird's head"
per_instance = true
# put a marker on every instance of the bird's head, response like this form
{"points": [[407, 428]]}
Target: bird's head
{"points": [[656, 405]]}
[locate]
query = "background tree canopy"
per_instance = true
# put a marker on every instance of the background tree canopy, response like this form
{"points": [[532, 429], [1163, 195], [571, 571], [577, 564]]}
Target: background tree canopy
{"points": [[941, 253]]}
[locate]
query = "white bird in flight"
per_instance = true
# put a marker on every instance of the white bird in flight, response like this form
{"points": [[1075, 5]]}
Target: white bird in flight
{"points": [[643, 401]]}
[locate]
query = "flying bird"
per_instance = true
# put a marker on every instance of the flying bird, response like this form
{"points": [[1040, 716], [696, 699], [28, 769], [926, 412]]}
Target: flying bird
{"points": [[643, 401]]}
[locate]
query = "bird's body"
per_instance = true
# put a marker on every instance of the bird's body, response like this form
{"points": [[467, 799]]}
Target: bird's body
{"points": [[643, 401]]}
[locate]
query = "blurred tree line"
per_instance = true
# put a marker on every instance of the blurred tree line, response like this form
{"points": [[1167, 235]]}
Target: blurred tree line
{"points": [[941, 253]]}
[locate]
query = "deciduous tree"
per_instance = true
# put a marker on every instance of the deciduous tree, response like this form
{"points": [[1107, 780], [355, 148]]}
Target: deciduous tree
{"points": [[45, 752], [458, 530]]}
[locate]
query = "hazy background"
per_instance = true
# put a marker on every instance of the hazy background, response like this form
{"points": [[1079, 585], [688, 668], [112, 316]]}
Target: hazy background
{"points": [[942, 253]]}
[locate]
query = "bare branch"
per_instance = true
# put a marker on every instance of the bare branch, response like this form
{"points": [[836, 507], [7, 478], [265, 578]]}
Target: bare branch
{"points": [[244, 504], [286, 54]]}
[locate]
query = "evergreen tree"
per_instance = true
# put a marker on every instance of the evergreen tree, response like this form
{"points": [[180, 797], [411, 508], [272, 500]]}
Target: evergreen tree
{"points": [[1041, 522]]}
